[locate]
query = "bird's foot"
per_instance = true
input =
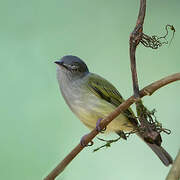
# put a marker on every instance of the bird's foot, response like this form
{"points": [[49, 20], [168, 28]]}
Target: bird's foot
{"points": [[98, 128], [84, 143]]}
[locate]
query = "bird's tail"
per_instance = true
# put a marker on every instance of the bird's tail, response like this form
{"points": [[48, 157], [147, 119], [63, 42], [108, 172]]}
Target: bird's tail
{"points": [[160, 152]]}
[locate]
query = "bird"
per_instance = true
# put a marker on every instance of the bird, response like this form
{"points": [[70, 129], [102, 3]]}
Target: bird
{"points": [[92, 98]]}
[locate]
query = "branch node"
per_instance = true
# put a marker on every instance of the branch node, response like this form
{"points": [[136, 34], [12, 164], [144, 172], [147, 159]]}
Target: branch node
{"points": [[137, 99]]}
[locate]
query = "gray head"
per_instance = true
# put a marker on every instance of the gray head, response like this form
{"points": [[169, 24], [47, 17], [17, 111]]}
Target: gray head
{"points": [[72, 67]]}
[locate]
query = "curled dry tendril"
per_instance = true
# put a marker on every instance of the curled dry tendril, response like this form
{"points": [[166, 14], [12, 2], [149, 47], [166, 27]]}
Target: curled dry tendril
{"points": [[154, 41]]}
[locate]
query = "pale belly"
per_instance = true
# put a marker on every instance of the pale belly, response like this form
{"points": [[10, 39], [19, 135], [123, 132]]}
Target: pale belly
{"points": [[89, 108], [96, 108]]}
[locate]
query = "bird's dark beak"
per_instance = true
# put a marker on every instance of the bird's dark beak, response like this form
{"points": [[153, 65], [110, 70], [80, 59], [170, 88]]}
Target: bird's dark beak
{"points": [[59, 62]]}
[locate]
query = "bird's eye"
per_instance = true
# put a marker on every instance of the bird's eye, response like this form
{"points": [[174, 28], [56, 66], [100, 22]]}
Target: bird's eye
{"points": [[74, 67]]}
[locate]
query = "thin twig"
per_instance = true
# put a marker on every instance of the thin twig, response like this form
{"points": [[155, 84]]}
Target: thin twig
{"points": [[148, 90], [174, 173], [108, 143], [134, 40]]}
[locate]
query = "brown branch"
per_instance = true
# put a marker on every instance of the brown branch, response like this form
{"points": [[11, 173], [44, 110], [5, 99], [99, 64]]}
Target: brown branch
{"points": [[174, 173], [148, 90], [134, 40], [150, 130]]}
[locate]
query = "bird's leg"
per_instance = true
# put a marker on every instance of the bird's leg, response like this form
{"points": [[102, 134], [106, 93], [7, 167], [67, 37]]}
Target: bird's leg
{"points": [[98, 128], [83, 142]]}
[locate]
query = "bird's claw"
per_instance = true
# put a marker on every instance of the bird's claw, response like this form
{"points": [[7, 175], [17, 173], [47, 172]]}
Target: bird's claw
{"points": [[98, 128], [83, 142]]}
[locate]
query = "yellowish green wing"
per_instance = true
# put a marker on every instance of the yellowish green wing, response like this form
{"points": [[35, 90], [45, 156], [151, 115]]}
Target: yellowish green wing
{"points": [[105, 90]]}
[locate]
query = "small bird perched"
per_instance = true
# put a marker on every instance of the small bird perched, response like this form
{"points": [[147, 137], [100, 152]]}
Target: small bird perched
{"points": [[92, 98]]}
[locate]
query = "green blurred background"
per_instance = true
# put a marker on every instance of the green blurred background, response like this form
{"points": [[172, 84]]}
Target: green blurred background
{"points": [[37, 128]]}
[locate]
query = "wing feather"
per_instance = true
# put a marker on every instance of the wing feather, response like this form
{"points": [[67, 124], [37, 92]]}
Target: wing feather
{"points": [[105, 90]]}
